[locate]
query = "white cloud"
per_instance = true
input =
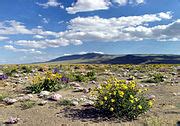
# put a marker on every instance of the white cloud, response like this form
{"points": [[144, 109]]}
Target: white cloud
{"points": [[13, 27], [98, 52], [90, 29], [121, 2], [48, 43], [3, 38], [38, 36], [167, 15], [88, 5], [45, 21], [12, 48], [51, 3], [96, 29], [140, 1]]}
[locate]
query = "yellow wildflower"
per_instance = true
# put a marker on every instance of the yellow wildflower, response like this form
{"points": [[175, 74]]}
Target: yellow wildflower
{"points": [[112, 100], [139, 106], [105, 98], [111, 109], [121, 93], [101, 102], [124, 86], [131, 96], [132, 101], [136, 99], [150, 103]]}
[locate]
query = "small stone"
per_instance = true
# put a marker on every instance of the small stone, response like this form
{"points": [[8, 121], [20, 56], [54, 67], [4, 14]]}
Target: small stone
{"points": [[146, 85], [75, 103], [88, 103], [44, 93], [9, 101], [42, 103], [93, 82], [78, 89], [56, 97], [16, 75], [74, 84], [174, 94], [151, 97], [12, 120]]}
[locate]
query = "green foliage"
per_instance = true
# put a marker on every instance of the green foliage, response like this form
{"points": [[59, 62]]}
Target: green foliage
{"points": [[2, 96], [80, 78], [26, 69], [27, 104], [10, 70], [51, 82], [156, 78], [153, 121], [122, 99], [65, 102], [91, 75]]}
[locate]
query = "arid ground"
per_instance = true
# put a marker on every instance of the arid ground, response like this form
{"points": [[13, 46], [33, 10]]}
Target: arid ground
{"points": [[33, 110]]}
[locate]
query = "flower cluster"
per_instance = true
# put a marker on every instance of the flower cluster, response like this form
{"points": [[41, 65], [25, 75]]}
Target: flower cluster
{"points": [[49, 82], [3, 77], [122, 98]]}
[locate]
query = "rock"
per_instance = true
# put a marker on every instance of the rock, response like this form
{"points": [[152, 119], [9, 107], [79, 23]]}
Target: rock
{"points": [[75, 103], [16, 75], [146, 85], [78, 89], [42, 102], [131, 78], [88, 103], [176, 94], [44, 93], [151, 97], [174, 73], [9, 101], [12, 120], [55, 97], [93, 82], [141, 85], [85, 90], [74, 84], [25, 97]]}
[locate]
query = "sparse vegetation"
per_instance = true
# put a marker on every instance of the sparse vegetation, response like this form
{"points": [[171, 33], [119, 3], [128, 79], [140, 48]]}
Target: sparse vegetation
{"points": [[122, 99], [27, 104], [65, 102], [51, 82], [156, 78]]}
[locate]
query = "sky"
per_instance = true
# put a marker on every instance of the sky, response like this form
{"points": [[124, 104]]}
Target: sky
{"points": [[40, 30]]}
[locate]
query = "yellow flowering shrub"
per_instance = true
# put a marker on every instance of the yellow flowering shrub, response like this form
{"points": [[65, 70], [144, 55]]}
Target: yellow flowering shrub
{"points": [[122, 98], [48, 82]]}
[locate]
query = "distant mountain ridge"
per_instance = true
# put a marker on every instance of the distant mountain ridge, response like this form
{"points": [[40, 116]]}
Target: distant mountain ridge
{"points": [[96, 58]]}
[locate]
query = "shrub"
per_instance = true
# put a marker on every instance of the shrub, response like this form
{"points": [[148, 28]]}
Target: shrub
{"points": [[51, 82], [79, 78], [122, 99], [27, 104], [10, 70], [26, 69], [65, 102], [156, 78], [91, 75], [2, 96]]}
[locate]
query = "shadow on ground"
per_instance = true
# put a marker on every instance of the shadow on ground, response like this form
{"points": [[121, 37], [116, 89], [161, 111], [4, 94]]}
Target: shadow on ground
{"points": [[89, 114]]}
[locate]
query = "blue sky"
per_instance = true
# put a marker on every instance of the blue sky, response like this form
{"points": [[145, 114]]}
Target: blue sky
{"points": [[40, 30]]}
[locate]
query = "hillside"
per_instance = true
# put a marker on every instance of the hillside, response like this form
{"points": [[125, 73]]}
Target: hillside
{"points": [[95, 58]]}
